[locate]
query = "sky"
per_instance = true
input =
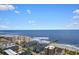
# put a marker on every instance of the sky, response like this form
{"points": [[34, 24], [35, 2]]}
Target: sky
{"points": [[39, 16]]}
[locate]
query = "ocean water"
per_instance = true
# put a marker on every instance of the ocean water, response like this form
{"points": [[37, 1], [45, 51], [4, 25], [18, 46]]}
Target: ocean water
{"points": [[63, 36]]}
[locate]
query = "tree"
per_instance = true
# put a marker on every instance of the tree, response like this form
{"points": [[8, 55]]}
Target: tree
{"points": [[1, 51]]}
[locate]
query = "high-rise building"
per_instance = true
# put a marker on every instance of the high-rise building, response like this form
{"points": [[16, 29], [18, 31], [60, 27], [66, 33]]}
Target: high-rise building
{"points": [[20, 39], [52, 50]]}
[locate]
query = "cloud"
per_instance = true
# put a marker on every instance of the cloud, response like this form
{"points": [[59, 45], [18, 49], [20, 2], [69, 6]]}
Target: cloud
{"points": [[7, 7], [17, 12], [76, 17], [76, 11], [3, 26], [29, 11], [32, 22], [73, 25]]}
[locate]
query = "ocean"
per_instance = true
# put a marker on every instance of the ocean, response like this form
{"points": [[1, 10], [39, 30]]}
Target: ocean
{"points": [[63, 36]]}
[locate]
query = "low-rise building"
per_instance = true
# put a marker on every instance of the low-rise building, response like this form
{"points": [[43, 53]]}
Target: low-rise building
{"points": [[10, 52], [4, 45]]}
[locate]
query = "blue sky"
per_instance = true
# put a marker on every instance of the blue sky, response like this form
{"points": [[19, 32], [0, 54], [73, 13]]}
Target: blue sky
{"points": [[39, 17]]}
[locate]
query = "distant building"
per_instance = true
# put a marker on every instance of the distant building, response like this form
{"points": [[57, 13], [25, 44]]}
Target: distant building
{"points": [[19, 39], [4, 45], [52, 50], [15, 38]]}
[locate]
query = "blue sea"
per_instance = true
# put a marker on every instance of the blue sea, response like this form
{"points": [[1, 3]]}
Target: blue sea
{"points": [[63, 36]]}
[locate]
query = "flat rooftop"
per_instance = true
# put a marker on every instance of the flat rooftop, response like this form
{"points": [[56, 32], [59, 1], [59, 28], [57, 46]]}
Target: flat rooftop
{"points": [[10, 52]]}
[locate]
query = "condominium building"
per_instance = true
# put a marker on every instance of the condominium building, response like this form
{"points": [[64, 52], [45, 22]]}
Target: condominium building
{"points": [[19, 39], [52, 50]]}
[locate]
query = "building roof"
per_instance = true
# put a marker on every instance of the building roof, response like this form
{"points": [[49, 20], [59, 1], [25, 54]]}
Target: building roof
{"points": [[50, 47], [10, 52]]}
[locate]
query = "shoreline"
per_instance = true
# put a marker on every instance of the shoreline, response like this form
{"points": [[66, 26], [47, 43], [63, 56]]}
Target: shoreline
{"points": [[62, 45], [65, 46]]}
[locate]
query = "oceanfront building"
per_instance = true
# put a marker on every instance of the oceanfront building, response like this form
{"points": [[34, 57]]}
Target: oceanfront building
{"points": [[61, 49], [19, 44], [21, 39], [8, 41], [13, 44]]}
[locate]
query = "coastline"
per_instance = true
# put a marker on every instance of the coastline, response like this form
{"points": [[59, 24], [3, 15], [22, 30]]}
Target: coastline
{"points": [[65, 46], [61, 45]]}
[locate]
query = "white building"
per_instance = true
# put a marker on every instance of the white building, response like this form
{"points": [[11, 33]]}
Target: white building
{"points": [[10, 52]]}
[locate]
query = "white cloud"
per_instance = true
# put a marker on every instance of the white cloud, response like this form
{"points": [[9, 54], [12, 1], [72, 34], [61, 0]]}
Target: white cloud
{"points": [[29, 11], [31, 22], [76, 17], [73, 25], [6, 7], [3, 26], [17, 12], [76, 11]]}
